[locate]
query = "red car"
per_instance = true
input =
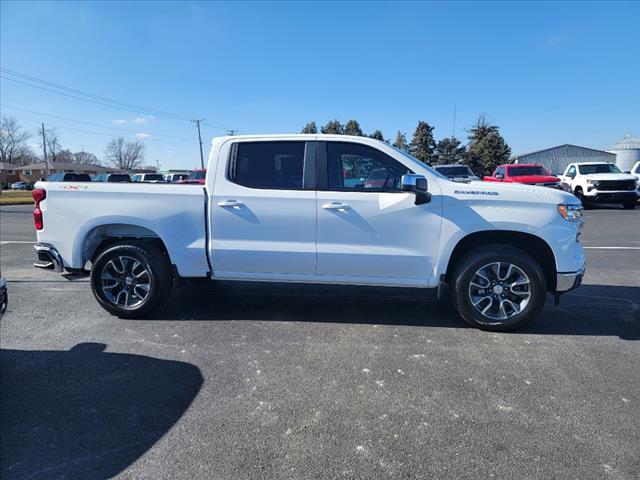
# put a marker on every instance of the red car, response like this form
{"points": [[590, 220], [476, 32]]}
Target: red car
{"points": [[530, 174], [195, 178]]}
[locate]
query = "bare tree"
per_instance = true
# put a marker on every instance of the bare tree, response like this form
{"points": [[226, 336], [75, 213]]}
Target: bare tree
{"points": [[13, 142], [86, 158], [53, 145], [124, 155]]}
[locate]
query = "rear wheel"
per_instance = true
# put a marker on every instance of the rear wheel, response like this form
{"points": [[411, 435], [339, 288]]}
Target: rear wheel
{"points": [[499, 288], [131, 279], [629, 206]]}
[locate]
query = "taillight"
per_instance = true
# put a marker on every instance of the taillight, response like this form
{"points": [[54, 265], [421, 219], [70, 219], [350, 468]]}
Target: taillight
{"points": [[38, 195]]}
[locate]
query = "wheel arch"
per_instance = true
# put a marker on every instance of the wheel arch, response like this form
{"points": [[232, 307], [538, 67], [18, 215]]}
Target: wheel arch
{"points": [[99, 237], [533, 245]]}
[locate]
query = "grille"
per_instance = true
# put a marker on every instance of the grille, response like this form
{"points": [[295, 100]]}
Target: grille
{"points": [[605, 185]]}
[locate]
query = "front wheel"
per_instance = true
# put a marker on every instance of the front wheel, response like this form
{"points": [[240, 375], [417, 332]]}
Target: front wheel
{"points": [[131, 278], [499, 288]]}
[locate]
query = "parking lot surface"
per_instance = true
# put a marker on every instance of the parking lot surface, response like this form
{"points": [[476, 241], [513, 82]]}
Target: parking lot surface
{"points": [[252, 381]]}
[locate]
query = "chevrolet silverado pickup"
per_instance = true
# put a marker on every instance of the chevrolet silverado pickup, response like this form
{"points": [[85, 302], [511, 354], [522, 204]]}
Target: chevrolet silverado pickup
{"points": [[600, 182], [305, 208]]}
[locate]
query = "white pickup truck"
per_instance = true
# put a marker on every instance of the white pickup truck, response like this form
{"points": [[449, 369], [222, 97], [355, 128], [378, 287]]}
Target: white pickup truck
{"points": [[600, 182], [304, 208]]}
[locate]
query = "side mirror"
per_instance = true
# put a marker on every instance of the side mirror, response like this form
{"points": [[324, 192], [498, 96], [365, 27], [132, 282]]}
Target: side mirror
{"points": [[418, 185], [499, 176]]}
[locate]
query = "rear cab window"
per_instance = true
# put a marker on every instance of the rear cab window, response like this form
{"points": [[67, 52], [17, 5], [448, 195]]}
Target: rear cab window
{"points": [[268, 165]]}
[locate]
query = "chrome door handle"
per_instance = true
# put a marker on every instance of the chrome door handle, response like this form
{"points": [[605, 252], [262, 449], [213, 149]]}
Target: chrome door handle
{"points": [[230, 203], [336, 206]]}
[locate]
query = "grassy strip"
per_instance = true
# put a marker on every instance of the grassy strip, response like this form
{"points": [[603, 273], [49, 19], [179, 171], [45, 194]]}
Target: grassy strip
{"points": [[15, 197]]}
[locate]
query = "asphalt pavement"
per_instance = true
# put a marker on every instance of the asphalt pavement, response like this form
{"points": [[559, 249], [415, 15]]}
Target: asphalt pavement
{"points": [[254, 381]]}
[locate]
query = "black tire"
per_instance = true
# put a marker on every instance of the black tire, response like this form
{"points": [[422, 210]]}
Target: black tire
{"points": [[629, 206], [159, 277], [580, 196], [466, 270]]}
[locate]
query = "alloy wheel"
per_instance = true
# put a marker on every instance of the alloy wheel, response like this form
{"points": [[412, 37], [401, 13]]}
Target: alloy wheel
{"points": [[125, 282]]}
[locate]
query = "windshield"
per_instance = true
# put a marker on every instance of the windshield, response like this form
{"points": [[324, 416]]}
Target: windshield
{"points": [[522, 171], [152, 177], [599, 168], [415, 160], [197, 175], [454, 170]]}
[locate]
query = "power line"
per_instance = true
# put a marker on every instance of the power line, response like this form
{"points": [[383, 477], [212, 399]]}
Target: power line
{"points": [[122, 130], [52, 87]]}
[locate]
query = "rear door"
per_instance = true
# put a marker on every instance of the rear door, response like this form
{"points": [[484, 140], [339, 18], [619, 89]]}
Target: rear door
{"points": [[263, 211], [369, 231]]}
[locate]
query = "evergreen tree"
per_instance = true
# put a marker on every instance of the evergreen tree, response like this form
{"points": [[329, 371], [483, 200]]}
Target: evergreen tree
{"points": [[352, 127], [377, 134], [423, 144], [486, 149], [401, 142], [449, 150], [310, 128], [333, 126]]}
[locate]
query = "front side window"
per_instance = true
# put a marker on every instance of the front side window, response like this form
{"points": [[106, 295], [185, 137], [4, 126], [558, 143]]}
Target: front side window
{"points": [[500, 171], [269, 165], [355, 167]]}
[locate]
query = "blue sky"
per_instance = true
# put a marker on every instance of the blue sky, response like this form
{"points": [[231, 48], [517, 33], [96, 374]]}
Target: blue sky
{"points": [[546, 73]]}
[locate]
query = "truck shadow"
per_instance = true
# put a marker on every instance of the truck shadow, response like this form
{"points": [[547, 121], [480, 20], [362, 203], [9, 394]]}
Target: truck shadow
{"points": [[590, 310], [84, 413]]}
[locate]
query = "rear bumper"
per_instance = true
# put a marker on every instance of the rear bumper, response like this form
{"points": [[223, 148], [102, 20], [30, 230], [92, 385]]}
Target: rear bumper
{"points": [[568, 281], [48, 257]]}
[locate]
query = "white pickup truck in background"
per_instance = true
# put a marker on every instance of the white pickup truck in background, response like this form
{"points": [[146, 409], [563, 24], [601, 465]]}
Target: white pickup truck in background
{"points": [[307, 208], [600, 182]]}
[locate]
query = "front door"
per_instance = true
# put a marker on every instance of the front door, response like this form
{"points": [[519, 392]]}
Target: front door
{"points": [[369, 231], [263, 216]]}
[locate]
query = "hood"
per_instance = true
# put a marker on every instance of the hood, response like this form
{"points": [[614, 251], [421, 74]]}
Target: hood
{"points": [[534, 179], [609, 176], [509, 192]]}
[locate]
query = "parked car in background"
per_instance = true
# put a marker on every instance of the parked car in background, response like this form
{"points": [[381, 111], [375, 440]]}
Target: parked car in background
{"points": [[112, 178], [266, 215], [600, 182], [147, 178], [4, 297], [457, 172], [529, 174], [635, 170], [196, 177], [175, 177], [21, 186], [69, 177]]}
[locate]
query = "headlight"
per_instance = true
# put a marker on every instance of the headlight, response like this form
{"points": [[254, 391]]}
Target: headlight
{"points": [[572, 213], [595, 183]]}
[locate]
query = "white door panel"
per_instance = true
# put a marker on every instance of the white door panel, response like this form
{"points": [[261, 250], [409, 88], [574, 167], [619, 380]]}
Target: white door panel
{"points": [[377, 235], [272, 231]]}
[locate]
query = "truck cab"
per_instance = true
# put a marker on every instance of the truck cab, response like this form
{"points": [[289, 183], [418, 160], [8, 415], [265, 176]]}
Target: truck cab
{"points": [[528, 174]]}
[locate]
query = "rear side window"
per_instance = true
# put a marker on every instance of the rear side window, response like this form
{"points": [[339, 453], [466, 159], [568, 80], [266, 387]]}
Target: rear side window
{"points": [[356, 167], [269, 165]]}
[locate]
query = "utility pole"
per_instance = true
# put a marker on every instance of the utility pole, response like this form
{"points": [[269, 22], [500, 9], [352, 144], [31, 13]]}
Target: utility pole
{"points": [[197, 122], [44, 148], [454, 120]]}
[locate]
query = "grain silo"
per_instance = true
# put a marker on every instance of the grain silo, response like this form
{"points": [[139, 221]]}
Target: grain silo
{"points": [[627, 152]]}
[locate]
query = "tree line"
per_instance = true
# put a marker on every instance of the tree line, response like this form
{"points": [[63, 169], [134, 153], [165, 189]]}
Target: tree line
{"points": [[15, 148], [484, 151]]}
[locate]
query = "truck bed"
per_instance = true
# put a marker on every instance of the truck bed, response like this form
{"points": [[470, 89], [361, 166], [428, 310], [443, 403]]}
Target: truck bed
{"points": [[77, 216]]}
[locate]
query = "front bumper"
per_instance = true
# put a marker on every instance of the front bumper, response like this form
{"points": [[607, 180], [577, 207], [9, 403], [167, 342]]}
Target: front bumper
{"points": [[48, 257], [603, 196], [569, 281]]}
